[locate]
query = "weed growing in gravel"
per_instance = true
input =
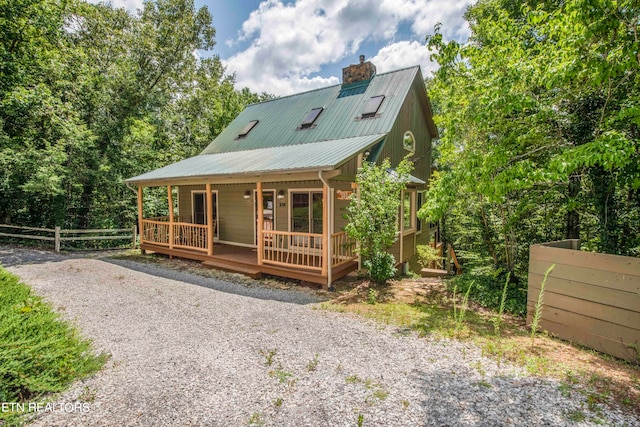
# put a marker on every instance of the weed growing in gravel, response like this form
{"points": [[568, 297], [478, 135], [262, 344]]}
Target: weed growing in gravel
{"points": [[281, 375], [39, 353], [576, 416], [405, 403], [352, 379], [312, 364], [360, 420], [88, 395], [278, 402], [483, 383], [256, 419], [269, 355]]}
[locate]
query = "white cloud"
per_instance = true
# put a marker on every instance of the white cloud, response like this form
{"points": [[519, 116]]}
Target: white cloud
{"points": [[404, 54], [291, 42]]}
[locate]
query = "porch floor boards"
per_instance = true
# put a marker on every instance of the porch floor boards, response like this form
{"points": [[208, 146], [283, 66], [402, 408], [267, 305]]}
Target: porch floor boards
{"points": [[244, 260]]}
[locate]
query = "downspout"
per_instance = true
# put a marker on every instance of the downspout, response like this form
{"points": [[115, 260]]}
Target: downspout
{"points": [[329, 228], [128, 185]]}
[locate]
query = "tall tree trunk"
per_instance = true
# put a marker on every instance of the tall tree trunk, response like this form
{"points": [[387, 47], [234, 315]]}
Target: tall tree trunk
{"points": [[604, 198], [573, 217]]}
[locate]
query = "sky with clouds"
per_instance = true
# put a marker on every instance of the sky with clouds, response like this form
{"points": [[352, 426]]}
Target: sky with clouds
{"points": [[283, 47]]}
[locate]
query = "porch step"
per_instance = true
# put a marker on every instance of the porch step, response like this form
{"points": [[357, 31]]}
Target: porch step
{"points": [[433, 272], [233, 267]]}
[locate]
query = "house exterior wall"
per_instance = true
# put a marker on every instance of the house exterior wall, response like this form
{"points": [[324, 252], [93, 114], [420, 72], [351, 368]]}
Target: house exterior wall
{"points": [[412, 117], [235, 213]]}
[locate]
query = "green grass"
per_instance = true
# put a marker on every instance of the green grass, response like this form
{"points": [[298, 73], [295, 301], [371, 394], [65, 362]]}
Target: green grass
{"points": [[39, 352]]}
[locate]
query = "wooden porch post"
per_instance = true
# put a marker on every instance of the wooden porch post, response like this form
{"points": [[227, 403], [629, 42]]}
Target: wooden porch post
{"points": [[140, 226], [260, 225], [401, 226], [209, 220], [325, 232], [171, 230]]}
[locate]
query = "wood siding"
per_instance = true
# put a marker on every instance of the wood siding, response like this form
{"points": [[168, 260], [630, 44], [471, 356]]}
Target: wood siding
{"points": [[412, 117], [422, 238], [591, 299]]}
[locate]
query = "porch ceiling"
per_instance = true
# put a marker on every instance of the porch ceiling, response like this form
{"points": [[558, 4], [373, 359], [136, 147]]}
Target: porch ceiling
{"points": [[317, 156]]}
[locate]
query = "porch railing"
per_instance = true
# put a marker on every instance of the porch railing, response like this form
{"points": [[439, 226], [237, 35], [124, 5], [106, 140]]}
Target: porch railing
{"points": [[190, 236], [185, 235], [288, 249], [342, 249], [156, 232]]}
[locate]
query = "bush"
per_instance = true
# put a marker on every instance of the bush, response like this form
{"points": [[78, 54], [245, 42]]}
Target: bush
{"points": [[427, 255], [488, 284], [39, 353], [381, 266]]}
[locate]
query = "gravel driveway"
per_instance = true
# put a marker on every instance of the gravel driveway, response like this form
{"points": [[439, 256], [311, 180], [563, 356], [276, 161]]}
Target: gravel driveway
{"points": [[188, 350]]}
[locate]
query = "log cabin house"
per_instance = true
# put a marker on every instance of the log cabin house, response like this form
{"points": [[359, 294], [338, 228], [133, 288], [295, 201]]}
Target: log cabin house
{"points": [[268, 194]]}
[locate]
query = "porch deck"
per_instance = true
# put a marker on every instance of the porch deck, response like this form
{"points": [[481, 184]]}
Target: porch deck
{"points": [[244, 260]]}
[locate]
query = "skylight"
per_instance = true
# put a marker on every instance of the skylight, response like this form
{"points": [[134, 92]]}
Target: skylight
{"points": [[244, 132], [311, 118], [372, 106]]}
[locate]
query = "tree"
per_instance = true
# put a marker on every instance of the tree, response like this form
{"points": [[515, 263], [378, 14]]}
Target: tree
{"points": [[373, 212], [91, 95], [539, 116]]}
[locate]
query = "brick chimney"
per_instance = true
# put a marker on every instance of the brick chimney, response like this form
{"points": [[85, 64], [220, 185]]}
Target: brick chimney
{"points": [[358, 72]]}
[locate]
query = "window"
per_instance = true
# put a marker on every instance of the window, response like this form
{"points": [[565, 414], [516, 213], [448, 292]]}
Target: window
{"points": [[420, 201], [409, 212], [245, 131], [409, 141], [311, 118], [306, 212], [372, 106], [199, 209]]}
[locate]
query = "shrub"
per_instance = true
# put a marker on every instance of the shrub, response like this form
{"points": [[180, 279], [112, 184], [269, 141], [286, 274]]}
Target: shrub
{"points": [[488, 286], [39, 353], [373, 217], [428, 255]]}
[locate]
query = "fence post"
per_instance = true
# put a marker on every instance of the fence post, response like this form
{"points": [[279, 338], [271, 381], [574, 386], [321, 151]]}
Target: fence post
{"points": [[135, 232], [57, 239]]}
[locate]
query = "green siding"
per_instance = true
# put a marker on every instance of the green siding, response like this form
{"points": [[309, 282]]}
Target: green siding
{"points": [[411, 117]]}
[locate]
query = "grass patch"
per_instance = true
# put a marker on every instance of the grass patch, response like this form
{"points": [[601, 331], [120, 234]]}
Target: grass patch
{"points": [[39, 352]]}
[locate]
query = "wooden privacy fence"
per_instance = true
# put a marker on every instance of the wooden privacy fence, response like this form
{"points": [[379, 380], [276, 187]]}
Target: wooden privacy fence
{"points": [[58, 235], [589, 298]]}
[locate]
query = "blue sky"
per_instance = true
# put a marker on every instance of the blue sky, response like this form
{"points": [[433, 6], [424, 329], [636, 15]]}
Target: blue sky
{"points": [[289, 46]]}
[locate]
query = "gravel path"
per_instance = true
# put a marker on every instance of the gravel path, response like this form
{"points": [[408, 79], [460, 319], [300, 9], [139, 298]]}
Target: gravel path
{"points": [[188, 350]]}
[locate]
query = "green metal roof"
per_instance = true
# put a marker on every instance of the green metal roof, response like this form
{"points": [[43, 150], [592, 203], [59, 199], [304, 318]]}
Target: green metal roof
{"points": [[278, 142], [279, 120], [315, 156]]}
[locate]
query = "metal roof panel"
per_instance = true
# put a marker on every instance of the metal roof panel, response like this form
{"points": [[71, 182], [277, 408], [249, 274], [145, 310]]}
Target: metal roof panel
{"points": [[320, 155]]}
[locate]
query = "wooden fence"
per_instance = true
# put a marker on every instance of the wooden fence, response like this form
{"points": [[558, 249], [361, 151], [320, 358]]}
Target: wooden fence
{"points": [[58, 235], [591, 299]]}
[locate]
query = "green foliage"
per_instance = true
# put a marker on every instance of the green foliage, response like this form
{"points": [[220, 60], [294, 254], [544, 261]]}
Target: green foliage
{"points": [[380, 266], [372, 214], [39, 353], [428, 255], [497, 320], [539, 123], [488, 288], [92, 94], [537, 312]]}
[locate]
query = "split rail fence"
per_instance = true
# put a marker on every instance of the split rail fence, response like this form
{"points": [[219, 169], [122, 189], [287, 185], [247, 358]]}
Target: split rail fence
{"points": [[58, 235]]}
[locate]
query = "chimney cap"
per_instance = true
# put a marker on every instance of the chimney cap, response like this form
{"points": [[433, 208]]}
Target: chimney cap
{"points": [[361, 59]]}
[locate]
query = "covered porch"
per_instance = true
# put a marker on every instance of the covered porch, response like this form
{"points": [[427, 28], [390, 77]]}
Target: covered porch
{"points": [[317, 257]]}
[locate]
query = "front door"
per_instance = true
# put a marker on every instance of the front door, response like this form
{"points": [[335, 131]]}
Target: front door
{"points": [[199, 203], [268, 211]]}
